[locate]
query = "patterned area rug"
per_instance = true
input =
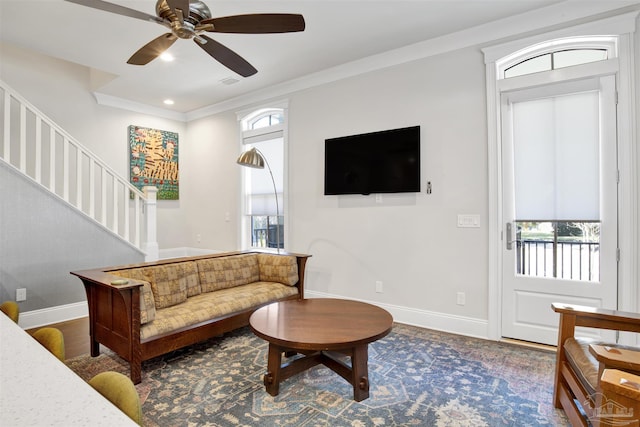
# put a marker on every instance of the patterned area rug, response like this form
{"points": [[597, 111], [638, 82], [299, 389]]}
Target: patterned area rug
{"points": [[418, 377]]}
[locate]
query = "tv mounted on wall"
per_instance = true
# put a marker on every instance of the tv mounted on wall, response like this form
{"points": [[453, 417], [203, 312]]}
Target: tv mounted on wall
{"points": [[377, 162]]}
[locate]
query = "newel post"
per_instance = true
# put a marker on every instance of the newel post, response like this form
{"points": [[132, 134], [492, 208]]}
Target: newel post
{"points": [[150, 246]]}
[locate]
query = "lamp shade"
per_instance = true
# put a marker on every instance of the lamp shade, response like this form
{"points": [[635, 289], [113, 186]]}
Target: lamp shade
{"points": [[251, 158]]}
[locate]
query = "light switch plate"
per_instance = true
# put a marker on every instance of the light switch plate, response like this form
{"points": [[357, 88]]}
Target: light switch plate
{"points": [[468, 221]]}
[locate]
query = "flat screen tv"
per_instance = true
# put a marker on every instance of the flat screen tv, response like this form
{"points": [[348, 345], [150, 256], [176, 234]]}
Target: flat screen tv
{"points": [[377, 162]]}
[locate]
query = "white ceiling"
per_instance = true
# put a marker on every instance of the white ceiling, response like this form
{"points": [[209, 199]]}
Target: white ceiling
{"points": [[337, 32]]}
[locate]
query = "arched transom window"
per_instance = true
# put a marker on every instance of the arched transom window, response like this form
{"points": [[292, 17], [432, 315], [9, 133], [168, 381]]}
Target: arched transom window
{"points": [[556, 54]]}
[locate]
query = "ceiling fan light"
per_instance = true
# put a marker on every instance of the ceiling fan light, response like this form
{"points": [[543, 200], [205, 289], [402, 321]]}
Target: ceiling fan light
{"points": [[167, 57]]}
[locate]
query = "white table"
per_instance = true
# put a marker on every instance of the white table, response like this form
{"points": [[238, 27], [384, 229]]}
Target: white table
{"points": [[37, 389]]}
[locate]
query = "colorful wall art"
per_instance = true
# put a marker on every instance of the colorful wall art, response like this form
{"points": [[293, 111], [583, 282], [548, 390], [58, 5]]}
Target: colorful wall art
{"points": [[154, 160]]}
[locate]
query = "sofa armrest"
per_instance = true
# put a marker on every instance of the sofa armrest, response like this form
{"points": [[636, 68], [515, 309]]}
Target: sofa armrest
{"points": [[103, 278]]}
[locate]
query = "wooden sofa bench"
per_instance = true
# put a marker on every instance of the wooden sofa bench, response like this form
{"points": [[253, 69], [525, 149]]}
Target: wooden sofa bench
{"points": [[142, 311]]}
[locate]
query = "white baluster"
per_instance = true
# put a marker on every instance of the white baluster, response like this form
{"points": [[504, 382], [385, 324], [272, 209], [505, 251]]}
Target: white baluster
{"points": [[125, 210], [23, 139], [92, 187], [79, 180], [38, 151], [65, 169], [150, 246], [137, 219], [103, 195], [6, 139], [52, 159], [114, 205]]}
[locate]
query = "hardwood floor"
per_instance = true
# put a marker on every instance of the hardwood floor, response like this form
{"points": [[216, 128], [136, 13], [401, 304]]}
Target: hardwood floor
{"points": [[76, 336]]}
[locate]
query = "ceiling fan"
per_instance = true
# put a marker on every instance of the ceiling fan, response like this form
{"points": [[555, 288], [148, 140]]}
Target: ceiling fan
{"points": [[189, 19]]}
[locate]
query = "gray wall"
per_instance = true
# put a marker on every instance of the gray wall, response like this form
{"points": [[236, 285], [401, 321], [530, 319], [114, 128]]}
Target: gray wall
{"points": [[42, 239]]}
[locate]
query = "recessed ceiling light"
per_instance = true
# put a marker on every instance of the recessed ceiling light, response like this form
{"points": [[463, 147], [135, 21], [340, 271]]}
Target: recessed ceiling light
{"points": [[167, 57], [168, 102]]}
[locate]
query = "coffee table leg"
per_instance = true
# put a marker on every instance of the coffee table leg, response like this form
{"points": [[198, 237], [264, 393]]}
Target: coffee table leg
{"points": [[272, 377], [360, 372]]}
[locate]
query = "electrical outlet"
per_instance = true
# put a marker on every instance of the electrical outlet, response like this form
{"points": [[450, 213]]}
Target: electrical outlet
{"points": [[198, 238], [460, 298], [21, 294], [378, 286]]}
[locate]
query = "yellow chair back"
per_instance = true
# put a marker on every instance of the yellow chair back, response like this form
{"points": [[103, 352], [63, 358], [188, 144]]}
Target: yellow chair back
{"points": [[11, 309], [53, 340], [120, 391]]}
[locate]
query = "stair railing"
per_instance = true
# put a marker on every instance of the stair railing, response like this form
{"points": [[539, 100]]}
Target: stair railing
{"points": [[33, 144]]}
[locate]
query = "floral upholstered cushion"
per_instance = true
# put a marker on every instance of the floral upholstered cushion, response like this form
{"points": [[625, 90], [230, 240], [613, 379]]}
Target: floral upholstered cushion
{"points": [[278, 268], [214, 305], [169, 282], [147, 303], [189, 271], [227, 272]]}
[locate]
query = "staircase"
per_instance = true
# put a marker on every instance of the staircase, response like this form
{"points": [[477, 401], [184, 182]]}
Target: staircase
{"points": [[44, 153]]}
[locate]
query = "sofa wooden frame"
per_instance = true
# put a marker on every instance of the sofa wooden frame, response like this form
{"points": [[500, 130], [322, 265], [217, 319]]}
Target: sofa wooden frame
{"points": [[568, 389], [114, 314]]}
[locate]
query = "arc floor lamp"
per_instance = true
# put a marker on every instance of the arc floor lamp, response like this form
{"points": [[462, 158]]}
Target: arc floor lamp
{"points": [[254, 158]]}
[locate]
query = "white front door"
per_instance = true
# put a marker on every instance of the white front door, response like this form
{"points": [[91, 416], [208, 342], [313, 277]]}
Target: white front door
{"points": [[559, 167]]}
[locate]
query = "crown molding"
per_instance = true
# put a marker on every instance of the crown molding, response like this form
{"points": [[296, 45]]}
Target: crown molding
{"points": [[570, 11], [138, 107]]}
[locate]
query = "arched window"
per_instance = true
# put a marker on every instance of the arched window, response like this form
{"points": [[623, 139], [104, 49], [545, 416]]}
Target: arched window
{"points": [[263, 199], [556, 60], [557, 54], [265, 119]]}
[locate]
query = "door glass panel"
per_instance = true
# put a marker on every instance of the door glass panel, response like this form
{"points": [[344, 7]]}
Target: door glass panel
{"points": [[557, 186], [559, 249]]}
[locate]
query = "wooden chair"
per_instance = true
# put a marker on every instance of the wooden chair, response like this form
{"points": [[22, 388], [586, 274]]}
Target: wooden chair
{"points": [[53, 340], [120, 391], [11, 309], [581, 362]]}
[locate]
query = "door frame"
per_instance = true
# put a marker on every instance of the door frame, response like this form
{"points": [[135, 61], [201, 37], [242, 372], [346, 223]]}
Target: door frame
{"points": [[623, 67], [523, 291]]}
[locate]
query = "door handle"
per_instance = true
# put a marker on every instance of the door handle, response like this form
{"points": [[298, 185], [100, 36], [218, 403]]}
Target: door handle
{"points": [[510, 239]]}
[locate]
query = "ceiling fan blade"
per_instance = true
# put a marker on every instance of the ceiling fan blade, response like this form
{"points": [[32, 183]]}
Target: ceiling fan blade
{"points": [[117, 9], [183, 5], [226, 56], [152, 50], [258, 23]]}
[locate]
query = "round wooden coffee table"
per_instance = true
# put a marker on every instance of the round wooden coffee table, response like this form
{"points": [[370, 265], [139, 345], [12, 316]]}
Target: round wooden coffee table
{"points": [[316, 328]]}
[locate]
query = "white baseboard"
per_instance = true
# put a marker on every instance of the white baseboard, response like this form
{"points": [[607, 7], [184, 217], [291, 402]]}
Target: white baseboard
{"points": [[47, 316], [410, 316], [425, 319]]}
